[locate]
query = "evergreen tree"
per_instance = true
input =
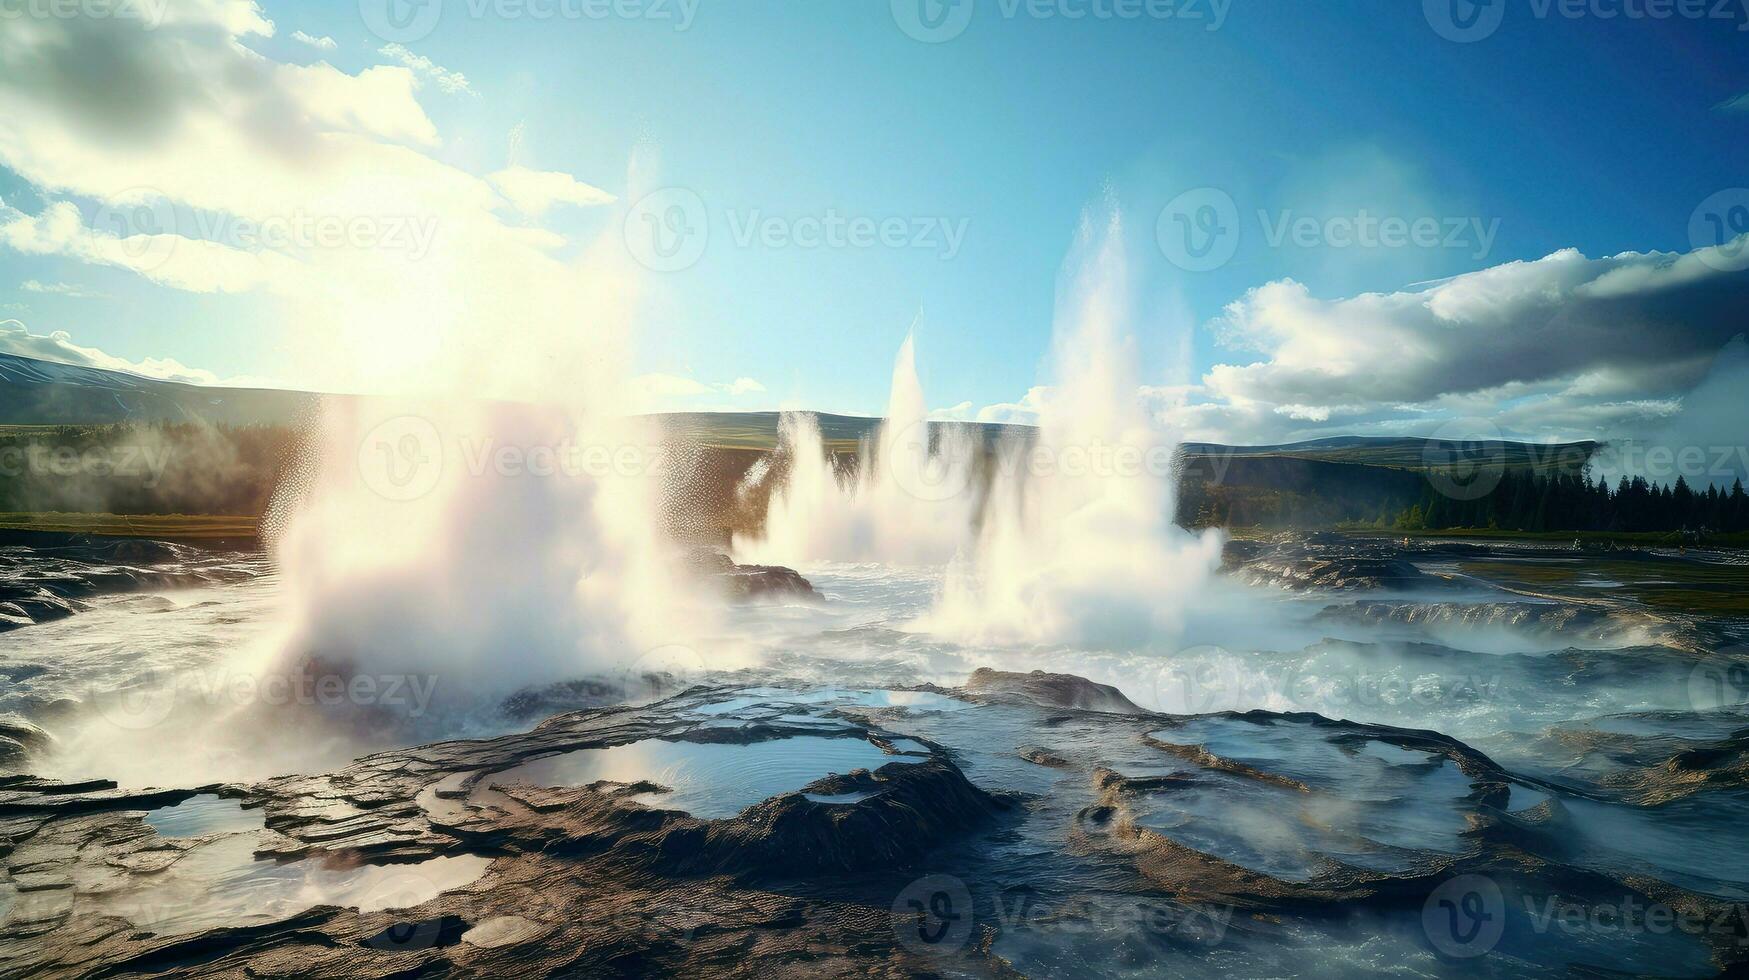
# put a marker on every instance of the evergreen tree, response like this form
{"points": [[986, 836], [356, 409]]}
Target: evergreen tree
{"points": [[1682, 504]]}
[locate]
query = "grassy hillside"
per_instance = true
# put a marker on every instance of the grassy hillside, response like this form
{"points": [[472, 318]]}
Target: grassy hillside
{"points": [[36, 392], [82, 445]]}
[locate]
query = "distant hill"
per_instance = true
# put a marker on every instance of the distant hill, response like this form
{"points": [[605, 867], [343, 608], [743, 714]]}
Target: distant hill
{"points": [[34, 392], [1321, 482], [758, 430], [1409, 452]]}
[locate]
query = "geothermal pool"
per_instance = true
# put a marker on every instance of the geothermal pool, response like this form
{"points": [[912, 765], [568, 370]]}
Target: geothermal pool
{"points": [[708, 781], [1285, 785]]}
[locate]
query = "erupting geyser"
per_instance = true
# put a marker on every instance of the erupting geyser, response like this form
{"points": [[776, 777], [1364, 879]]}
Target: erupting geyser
{"points": [[498, 529], [1077, 543], [493, 579], [1064, 535], [910, 498]]}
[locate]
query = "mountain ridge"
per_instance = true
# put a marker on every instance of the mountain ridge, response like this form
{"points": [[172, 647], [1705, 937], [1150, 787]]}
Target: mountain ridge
{"points": [[34, 391]]}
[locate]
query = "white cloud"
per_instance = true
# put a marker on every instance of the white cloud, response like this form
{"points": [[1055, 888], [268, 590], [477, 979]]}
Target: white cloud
{"points": [[377, 102], [1023, 412], [1565, 347], [1737, 104], [960, 412], [190, 116], [448, 81], [1305, 413], [58, 289], [658, 392], [1654, 317], [189, 264], [203, 136], [323, 43], [59, 348], [534, 191], [669, 386], [238, 17]]}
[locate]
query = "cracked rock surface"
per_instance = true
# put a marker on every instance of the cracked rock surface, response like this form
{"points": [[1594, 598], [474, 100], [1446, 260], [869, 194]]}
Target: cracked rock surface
{"points": [[1010, 827]]}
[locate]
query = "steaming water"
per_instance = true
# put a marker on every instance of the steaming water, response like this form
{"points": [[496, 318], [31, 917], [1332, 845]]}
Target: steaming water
{"points": [[1447, 672], [1067, 539], [1077, 544], [1060, 557], [908, 503]]}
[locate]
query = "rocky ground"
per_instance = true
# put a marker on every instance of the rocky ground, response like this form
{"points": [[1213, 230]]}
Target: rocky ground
{"points": [[601, 880], [1132, 841], [53, 577]]}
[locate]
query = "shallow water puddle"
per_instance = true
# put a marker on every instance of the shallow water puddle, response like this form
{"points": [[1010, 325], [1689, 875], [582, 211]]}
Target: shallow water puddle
{"points": [[205, 814], [1363, 804], [910, 700], [221, 883], [709, 781], [856, 796], [763, 700]]}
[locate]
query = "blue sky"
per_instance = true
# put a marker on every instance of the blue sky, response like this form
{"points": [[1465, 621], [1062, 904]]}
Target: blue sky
{"points": [[1596, 133]]}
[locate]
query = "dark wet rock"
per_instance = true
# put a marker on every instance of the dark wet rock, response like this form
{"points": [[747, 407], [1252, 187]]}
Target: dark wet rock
{"points": [[53, 578], [48, 709], [22, 671], [505, 930], [19, 730], [1455, 549], [1054, 690], [1043, 757], [576, 695], [1544, 619], [1328, 561], [1490, 777], [38, 606], [1201, 756], [583, 880], [1524, 853], [415, 935], [1302, 571], [1723, 764], [1654, 765], [604, 880], [748, 582]]}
